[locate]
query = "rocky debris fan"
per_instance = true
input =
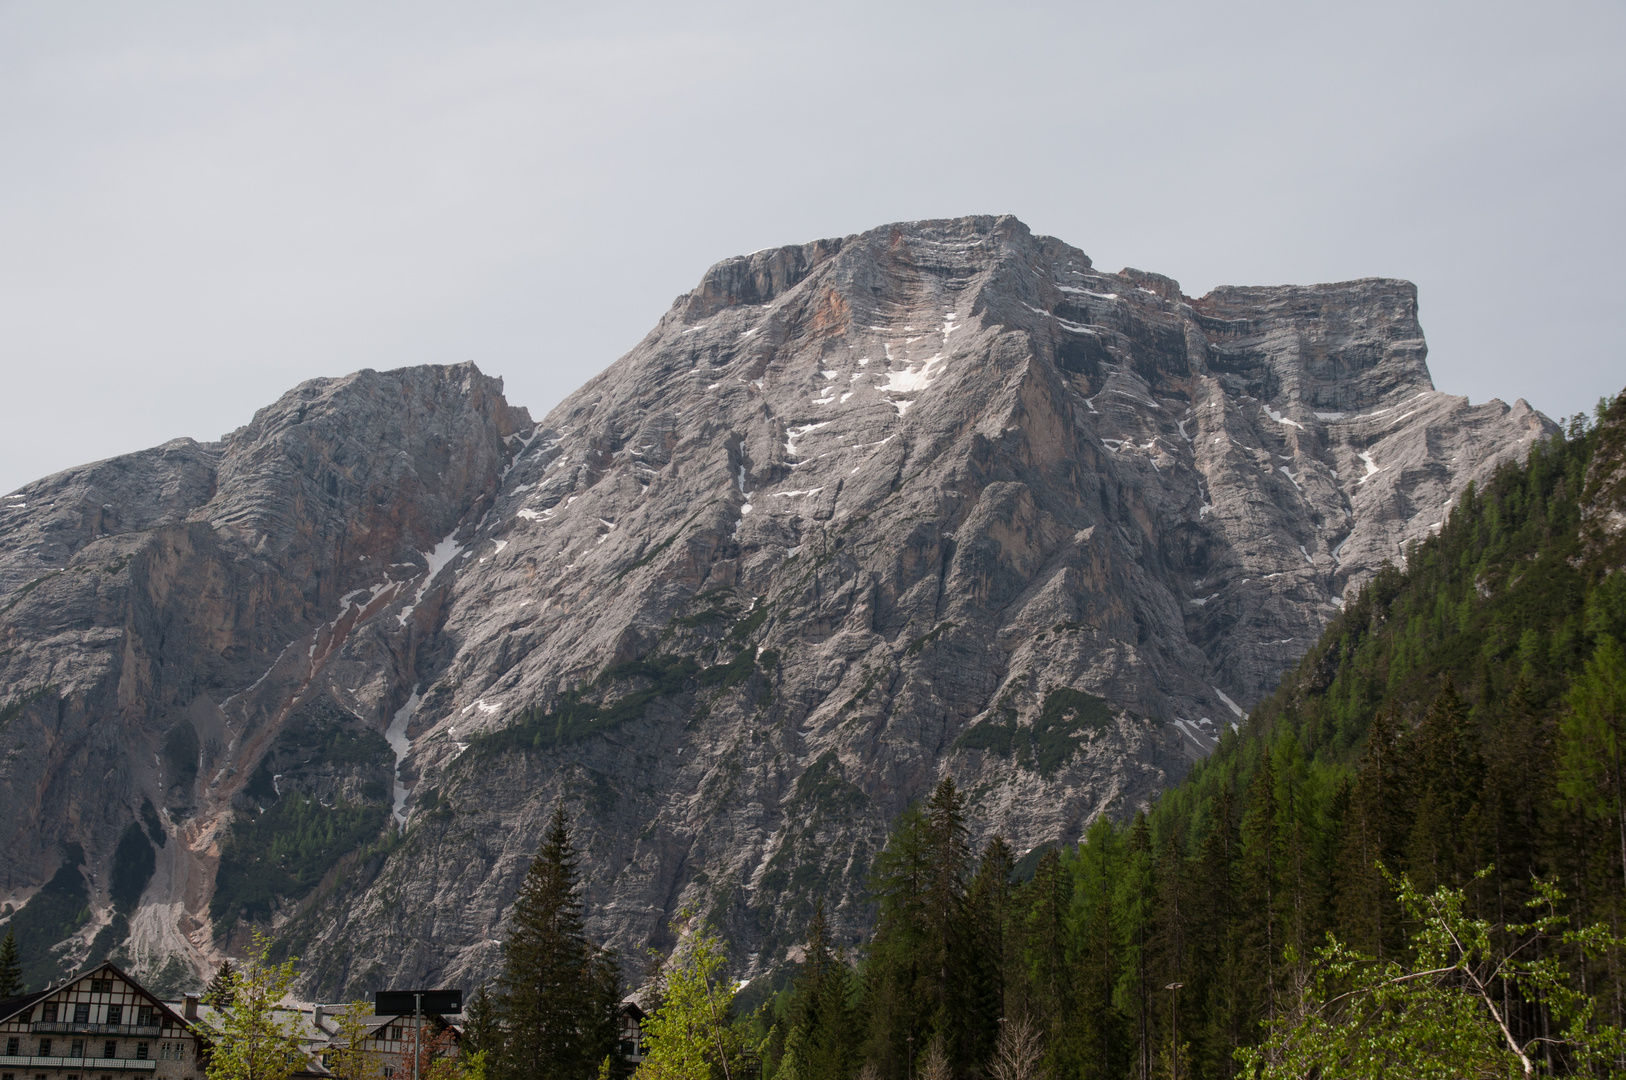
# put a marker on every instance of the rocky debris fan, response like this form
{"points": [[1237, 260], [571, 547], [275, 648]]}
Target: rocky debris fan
{"points": [[940, 498]]}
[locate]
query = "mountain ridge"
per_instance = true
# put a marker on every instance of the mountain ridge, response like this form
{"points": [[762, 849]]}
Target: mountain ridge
{"points": [[816, 563]]}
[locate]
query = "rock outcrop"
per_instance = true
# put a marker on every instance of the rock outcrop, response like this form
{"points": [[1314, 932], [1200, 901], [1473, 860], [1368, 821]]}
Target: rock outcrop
{"points": [[937, 498]]}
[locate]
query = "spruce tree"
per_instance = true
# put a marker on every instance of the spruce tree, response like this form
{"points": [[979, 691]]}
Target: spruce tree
{"points": [[222, 989], [991, 906], [482, 1033], [819, 1036], [558, 992], [11, 968]]}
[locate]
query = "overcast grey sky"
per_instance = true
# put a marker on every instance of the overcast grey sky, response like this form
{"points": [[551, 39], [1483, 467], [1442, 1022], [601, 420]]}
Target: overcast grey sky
{"points": [[202, 204]]}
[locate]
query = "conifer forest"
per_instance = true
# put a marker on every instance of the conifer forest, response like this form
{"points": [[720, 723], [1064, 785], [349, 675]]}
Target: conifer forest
{"points": [[1410, 860]]}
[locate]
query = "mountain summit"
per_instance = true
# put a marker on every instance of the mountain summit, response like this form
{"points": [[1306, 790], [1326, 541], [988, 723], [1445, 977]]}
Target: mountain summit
{"points": [[940, 498]]}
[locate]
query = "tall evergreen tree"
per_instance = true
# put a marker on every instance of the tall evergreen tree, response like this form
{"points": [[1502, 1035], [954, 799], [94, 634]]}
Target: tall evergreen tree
{"points": [[820, 1026], [558, 992], [482, 1027], [920, 976], [990, 905], [11, 967], [222, 989]]}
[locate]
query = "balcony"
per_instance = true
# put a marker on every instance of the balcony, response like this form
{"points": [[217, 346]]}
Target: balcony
{"points": [[87, 1064], [68, 1027]]}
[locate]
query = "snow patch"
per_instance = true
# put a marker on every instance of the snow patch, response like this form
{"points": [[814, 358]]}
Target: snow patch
{"points": [[1229, 704], [444, 553], [1280, 419], [396, 736], [791, 436], [1372, 467]]}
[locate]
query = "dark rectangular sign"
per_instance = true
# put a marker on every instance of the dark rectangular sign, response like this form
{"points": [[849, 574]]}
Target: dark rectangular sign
{"points": [[401, 1002]]}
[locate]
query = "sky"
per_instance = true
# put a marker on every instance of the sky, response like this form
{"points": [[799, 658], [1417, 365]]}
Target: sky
{"points": [[203, 204]]}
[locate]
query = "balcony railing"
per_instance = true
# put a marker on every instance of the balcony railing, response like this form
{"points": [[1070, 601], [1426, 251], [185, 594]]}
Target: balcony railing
{"points": [[68, 1027], [88, 1064]]}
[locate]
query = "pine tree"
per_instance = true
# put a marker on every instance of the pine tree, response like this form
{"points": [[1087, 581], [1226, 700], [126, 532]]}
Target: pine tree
{"points": [[11, 968], [819, 1021], [482, 1032], [1133, 917], [557, 992], [948, 961], [1096, 1044], [919, 981], [222, 989], [990, 904], [1449, 774]]}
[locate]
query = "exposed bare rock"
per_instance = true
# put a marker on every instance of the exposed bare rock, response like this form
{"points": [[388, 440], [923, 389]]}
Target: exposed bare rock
{"points": [[937, 498]]}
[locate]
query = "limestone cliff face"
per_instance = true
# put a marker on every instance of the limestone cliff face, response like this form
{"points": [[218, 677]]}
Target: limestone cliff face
{"points": [[936, 499]]}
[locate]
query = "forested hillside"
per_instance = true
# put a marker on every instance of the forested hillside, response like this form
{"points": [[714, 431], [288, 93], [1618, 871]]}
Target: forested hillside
{"points": [[1462, 713]]}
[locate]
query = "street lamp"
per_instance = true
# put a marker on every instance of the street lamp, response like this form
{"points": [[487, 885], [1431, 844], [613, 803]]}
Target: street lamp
{"points": [[1174, 1032]]}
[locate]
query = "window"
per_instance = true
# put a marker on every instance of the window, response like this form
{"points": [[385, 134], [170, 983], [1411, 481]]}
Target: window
{"points": [[110, 1049], [141, 1051], [115, 1015], [78, 1048], [45, 1048], [389, 1071], [395, 1033], [101, 986], [144, 1016], [48, 1013], [81, 1014], [13, 1049]]}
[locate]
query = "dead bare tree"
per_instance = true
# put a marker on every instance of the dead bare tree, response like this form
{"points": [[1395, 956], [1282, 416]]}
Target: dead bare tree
{"points": [[1019, 1053]]}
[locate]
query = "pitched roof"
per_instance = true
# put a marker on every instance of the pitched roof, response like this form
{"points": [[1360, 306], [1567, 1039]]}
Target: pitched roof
{"points": [[12, 1006]]}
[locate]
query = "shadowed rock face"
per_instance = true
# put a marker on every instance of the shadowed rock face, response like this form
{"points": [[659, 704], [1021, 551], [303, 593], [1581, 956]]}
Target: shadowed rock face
{"points": [[936, 499]]}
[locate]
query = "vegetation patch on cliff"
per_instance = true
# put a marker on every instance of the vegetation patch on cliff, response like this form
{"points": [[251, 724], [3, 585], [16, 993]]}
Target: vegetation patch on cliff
{"points": [[577, 717], [1064, 720], [61, 907], [285, 851]]}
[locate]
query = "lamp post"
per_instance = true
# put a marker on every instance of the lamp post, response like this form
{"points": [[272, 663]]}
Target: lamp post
{"points": [[1174, 1032]]}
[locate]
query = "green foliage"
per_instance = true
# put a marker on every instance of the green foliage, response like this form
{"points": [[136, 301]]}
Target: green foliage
{"points": [[58, 909], [347, 1056], [577, 716], [250, 1039], [689, 1033], [748, 625], [927, 638], [11, 968], [1443, 1011], [285, 851], [558, 992], [1065, 718], [811, 1038]]}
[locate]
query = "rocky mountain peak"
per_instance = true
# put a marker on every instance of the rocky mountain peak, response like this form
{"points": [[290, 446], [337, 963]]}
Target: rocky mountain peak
{"points": [[938, 498]]}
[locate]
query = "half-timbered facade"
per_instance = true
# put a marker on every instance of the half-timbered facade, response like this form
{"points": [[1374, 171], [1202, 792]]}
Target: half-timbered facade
{"points": [[100, 1025]]}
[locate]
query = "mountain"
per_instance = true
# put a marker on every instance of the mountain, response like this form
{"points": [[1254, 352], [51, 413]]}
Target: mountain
{"points": [[939, 498], [1456, 727]]}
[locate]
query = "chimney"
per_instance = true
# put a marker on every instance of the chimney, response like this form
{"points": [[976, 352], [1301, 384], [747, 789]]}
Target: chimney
{"points": [[318, 1014], [189, 1006]]}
